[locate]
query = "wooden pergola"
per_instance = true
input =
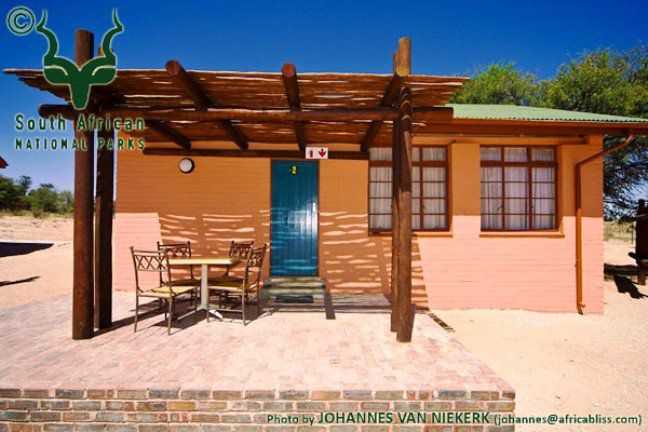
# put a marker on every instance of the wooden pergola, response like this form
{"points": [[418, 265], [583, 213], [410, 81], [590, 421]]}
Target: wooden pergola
{"points": [[183, 107]]}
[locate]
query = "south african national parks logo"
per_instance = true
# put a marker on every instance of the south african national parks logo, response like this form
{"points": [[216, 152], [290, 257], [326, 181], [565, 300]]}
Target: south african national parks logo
{"points": [[59, 70]]}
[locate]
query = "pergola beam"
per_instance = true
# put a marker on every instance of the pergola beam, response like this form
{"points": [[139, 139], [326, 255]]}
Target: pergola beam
{"points": [[444, 123], [402, 69], [291, 84], [270, 115], [107, 97], [170, 133], [288, 154], [200, 98]]}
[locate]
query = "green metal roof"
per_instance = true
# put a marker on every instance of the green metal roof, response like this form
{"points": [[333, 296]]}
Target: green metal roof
{"points": [[514, 112]]}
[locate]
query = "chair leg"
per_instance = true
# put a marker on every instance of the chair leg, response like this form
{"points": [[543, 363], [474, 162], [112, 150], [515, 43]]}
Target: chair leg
{"points": [[171, 305], [136, 311], [195, 310], [159, 304], [243, 307], [207, 307], [258, 304]]}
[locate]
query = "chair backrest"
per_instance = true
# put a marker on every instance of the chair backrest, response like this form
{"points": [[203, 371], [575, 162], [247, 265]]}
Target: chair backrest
{"points": [[150, 262], [254, 263], [240, 249], [176, 250]]}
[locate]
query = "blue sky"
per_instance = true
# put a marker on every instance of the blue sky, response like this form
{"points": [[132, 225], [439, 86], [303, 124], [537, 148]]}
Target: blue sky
{"points": [[447, 38]]}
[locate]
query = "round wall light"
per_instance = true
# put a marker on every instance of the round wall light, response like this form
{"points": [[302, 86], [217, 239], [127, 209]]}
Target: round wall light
{"points": [[186, 165]]}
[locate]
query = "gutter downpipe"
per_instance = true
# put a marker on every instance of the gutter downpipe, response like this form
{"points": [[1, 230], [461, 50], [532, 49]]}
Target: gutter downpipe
{"points": [[579, 217]]}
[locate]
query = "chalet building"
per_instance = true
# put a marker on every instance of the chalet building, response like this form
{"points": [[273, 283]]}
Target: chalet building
{"points": [[489, 206]]}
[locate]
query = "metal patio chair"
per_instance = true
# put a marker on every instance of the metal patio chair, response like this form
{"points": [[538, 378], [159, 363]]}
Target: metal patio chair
{"points": [[240, 250], [179, 250], [167, 291], [241, 288]]}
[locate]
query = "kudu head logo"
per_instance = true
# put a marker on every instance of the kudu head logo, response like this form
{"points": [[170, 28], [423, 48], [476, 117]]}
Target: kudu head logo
{"points": [[98, 71]]}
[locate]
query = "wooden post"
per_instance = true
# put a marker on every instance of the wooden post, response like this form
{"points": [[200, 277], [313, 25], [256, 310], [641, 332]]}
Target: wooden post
{"points": [[395, 230], [404, 240], [82, 299], [103, 231]]}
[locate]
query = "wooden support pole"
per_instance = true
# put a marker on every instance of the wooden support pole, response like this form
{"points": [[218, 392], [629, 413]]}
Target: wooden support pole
{"points": [[103, 230], [402, 69], [395, 230], [404, 196], [82, 284], [289, 77]]}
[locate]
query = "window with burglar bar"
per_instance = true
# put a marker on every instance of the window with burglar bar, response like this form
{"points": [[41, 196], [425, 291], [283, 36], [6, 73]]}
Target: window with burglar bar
{"points": [[429, 188], [518, 188]]}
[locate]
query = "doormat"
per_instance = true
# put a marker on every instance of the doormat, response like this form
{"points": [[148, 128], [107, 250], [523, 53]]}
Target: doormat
{"points": [[286, 298]]}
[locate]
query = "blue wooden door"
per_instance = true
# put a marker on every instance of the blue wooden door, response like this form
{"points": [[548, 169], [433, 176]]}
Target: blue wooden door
{"points": [[294, 218]]}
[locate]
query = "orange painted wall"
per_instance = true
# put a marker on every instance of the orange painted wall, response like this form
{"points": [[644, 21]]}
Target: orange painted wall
{"points": [[225, 199]]}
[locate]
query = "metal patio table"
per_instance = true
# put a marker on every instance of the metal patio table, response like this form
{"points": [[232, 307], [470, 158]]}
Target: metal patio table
{"points": [[205, 263]]}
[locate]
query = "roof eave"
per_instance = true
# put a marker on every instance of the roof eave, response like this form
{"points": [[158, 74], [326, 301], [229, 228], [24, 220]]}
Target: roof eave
{"points": [[536, 127]]}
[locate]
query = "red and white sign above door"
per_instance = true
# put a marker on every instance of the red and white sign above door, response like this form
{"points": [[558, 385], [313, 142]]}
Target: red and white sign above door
{"points": [[317, 153]]}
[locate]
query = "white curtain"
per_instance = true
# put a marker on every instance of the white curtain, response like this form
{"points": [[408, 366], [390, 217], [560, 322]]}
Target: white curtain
{"points": [[544, 198], [380, 192], [434, 209], [491, 192], [516, 204]]}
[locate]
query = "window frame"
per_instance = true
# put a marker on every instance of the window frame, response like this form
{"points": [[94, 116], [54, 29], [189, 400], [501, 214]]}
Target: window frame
{"points": [[420, 163], [530, 164]]}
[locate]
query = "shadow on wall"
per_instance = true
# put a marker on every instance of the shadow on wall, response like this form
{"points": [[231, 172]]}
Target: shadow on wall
{"points": [[350, 261], [354, 263], [212, 233]]}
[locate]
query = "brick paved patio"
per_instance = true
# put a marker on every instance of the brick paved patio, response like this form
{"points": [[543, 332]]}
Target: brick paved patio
{"points": [[343, 352]]}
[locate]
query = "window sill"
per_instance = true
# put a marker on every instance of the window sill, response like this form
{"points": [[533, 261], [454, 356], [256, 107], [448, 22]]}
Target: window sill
{"points": [[432, 234], [522, 234], [414, 233]]}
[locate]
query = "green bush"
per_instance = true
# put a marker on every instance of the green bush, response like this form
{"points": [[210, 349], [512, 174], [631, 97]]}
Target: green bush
{"points": [[16, 197]]}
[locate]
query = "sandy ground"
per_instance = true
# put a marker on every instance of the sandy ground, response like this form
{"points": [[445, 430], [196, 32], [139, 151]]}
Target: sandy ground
{"points": [[558, 363], [29, 228], [47, 272]]}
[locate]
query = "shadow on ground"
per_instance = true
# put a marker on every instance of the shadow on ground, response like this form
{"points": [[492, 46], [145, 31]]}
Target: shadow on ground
{"points": [[8, 249], [622, 274], [627, 286], [328, 306], [19, 281]]}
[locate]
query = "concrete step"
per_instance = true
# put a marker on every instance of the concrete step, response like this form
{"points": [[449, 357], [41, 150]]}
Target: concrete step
{"points": [[294, 286]]}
